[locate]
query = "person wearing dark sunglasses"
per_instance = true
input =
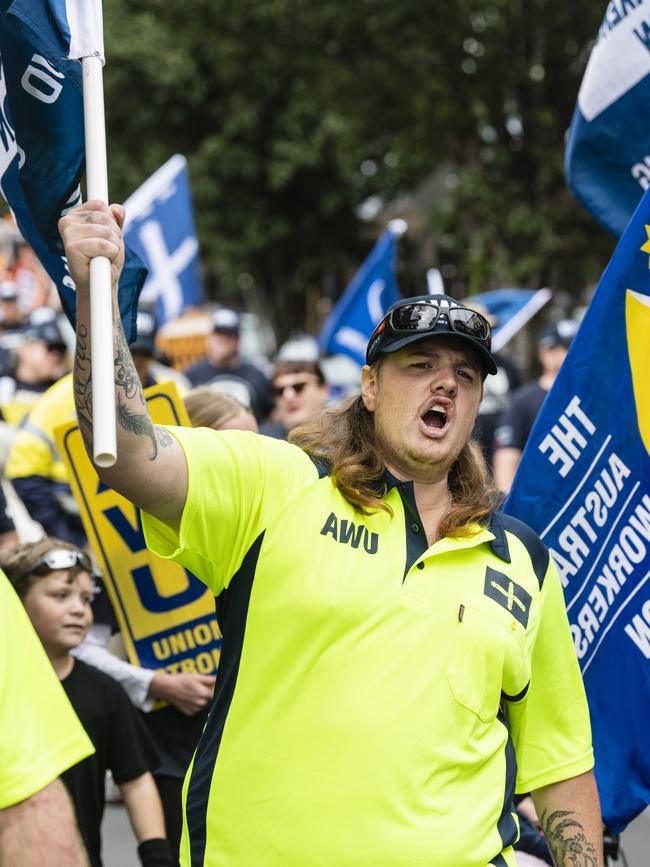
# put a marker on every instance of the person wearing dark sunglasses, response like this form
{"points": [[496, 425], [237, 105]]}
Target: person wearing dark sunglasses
{"points": [[396, 656], [300, 390]]}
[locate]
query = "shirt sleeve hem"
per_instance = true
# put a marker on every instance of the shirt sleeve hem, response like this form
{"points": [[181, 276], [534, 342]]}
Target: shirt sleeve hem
{"points": [[161, 539], [556, 774], [49, 769]]}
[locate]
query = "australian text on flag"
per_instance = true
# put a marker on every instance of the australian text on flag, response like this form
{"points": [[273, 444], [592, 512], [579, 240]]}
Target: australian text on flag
{"points": [[42, 138], [584, 484]]}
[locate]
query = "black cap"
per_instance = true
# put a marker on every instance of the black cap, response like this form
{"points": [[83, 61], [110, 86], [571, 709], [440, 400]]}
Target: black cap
{"points": [[559, 334], [49, 332], [385, 339], [225, 321], [146, 327]]}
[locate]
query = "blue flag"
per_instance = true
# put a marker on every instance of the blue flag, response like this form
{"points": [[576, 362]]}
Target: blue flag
{"points": [[510, 309], [607, 160], [160, 229], [42, 136], [584, 485], [366, 299]]}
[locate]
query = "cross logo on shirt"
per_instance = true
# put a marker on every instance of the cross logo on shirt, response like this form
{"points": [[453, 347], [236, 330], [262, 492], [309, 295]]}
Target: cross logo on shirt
{"points": [[508, 595]]}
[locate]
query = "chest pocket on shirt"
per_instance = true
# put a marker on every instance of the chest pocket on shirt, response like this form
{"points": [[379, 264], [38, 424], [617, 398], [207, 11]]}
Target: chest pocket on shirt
{"points": [[488, 658]]}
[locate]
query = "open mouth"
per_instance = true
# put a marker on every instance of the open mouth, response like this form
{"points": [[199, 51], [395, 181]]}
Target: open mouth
{"points": [[436, 417]]}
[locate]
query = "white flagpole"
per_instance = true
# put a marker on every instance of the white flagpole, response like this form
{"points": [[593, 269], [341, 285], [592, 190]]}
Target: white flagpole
{"points": [[101, 295]]}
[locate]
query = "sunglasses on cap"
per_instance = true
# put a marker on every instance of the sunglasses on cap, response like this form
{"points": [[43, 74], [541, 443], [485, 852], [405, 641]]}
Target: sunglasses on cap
{"points": [[59, 559], [424, 317], [296, 387], [429, 317]]}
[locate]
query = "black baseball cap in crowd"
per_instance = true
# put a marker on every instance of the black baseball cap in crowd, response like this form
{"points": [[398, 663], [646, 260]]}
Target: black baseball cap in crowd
{"points": [[558, 334], [49, 332], [426, 316]]}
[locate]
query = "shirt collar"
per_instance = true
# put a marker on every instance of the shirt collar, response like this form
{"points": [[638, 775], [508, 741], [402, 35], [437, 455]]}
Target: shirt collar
{"points": [[492, 531]]}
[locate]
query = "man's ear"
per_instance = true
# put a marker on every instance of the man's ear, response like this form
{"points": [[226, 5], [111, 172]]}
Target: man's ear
{"points": [[369, 386]]}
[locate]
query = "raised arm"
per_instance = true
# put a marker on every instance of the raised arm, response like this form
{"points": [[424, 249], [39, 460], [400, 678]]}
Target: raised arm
{"points": [[150, 470]]}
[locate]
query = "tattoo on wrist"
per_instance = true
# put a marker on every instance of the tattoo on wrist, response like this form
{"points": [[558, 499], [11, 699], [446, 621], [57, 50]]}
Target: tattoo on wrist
{"points": [[567, 841]]}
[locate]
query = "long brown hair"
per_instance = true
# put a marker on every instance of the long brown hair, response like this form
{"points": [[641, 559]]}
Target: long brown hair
{"points": [[344, 439]]}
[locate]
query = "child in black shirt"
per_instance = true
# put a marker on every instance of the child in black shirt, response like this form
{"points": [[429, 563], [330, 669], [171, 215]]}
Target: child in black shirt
{"points": [[54, 583]]}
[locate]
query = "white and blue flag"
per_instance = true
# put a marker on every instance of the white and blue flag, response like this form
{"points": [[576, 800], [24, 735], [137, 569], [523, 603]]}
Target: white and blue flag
{"points": [[607, 160], [583, 484], [366, 299], [42, 131], [510, 309], [160, 229]]}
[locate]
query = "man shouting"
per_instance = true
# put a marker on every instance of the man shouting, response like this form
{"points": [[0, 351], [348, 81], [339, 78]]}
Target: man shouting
{"points": [[396, 658]]}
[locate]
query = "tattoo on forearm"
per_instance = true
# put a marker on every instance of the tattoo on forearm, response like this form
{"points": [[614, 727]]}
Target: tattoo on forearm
{"points": [[126, 376], [567, 841], [132, 414], [82, 381], [138, 423]]}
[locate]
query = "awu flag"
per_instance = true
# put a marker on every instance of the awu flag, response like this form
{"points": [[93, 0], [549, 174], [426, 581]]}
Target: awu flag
{"points": [[42, 132], [160, 229], [584, 485], [608, 154], [510, 309], [368, 296]]}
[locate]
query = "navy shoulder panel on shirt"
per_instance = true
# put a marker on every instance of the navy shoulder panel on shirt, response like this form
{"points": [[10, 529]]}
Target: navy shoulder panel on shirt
{"points": [[324, 468], [537, 550]]}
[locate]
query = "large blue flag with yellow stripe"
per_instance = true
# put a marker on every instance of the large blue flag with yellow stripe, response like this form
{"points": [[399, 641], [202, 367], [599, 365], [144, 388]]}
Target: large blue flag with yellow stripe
{"points": [[584, 485], [42, 133], [607, 159]]}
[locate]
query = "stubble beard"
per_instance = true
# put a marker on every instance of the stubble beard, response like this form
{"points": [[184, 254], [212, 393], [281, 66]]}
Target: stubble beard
{"points": [[417, 464]]}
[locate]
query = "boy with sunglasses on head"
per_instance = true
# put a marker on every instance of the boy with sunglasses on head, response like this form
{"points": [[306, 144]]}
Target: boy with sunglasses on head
{"points": [[54, 582]]}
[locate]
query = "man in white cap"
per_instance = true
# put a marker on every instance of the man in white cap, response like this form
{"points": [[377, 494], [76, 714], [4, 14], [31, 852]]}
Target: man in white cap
{"points": [[224, 369]]}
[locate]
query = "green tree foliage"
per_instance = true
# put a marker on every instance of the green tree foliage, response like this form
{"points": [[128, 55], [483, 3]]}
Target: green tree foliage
{"points": [[293, 112]]}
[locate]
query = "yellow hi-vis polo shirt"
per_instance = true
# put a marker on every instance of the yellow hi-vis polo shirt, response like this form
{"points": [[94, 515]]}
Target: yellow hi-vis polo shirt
{"points": [[378, 700], [40, 734]]}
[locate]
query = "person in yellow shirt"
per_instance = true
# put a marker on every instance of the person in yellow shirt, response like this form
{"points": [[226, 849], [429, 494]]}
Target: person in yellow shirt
{"points": [[396, 660], [40, 738]]}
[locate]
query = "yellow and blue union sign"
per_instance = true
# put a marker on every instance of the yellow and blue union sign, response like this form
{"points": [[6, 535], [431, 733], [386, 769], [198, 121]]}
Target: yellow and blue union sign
{"points": [[166, 614]]}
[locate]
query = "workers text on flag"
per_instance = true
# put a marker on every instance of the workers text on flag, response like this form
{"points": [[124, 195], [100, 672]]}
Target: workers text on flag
{"points": [[584, 485]]}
